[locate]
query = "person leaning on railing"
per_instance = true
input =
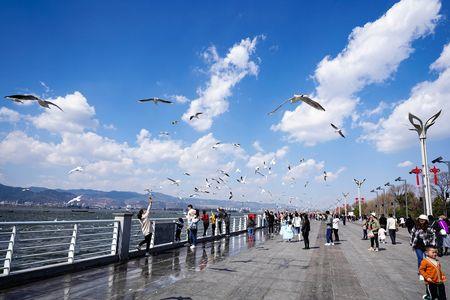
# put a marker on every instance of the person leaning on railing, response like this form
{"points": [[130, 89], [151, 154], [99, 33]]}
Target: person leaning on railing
{"points": [[146, 227]]}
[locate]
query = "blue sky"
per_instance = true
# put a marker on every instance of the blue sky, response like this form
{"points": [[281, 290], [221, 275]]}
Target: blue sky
{"points": [[113, 53]]}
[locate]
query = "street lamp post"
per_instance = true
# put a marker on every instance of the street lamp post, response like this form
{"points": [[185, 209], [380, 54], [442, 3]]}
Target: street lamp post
{"points": [[421, 130], [375, 191], [406, 194], [440, 160], [345, 203], [384, 198], [359, 184]]}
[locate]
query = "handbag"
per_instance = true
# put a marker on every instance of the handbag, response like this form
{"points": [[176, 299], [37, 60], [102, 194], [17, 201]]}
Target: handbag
{"points": [[370, 234]]}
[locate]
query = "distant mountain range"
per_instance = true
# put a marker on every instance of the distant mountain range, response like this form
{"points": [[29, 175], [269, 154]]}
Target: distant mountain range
{"points": [[114, 199]]}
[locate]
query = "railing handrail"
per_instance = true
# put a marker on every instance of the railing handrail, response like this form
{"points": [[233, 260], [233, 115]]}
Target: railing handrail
{"points": [[56, 222]]}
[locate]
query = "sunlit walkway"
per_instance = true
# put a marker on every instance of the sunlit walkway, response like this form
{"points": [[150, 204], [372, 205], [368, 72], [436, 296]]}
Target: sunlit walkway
{"points": [[234, 269]]}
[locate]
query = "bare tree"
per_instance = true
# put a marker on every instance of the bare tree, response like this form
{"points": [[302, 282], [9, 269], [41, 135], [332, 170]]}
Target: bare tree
{"points": [[441, 189]]}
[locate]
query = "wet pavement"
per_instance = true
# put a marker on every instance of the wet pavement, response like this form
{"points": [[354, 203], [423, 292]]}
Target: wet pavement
{"points": [[236, 269], [135, 278]]}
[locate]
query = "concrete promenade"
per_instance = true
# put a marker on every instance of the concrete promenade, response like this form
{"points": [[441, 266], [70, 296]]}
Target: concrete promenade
{"points": [[235, 269]]}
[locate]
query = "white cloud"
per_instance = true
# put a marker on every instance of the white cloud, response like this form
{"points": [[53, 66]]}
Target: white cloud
{"points": [[77, 116], [19, 148], [9, 115], [372, 55], [305, 169], [427, 98], [154, 150], [202, 160], [109, 126], [224, 73], [180, 99], [257, 146], [258, 159], [404, 164], [331, 176]]}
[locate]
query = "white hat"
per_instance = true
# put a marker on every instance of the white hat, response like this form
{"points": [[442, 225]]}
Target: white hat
{"points": [[423, 217], [373, 214]]}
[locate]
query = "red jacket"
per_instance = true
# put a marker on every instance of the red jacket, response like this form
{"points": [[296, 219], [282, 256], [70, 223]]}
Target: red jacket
{"points": [[431, 270]]}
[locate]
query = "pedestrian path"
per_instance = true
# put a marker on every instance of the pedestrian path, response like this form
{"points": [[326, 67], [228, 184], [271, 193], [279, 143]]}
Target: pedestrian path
{"points": [[233, 268]]}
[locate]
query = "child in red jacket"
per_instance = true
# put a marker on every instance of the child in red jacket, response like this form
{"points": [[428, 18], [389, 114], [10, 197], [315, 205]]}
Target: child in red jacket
{"points": [[433, 276]]}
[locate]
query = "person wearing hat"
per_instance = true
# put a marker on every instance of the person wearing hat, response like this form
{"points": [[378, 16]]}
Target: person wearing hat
{"points": [[373, 226], [422, 236]]}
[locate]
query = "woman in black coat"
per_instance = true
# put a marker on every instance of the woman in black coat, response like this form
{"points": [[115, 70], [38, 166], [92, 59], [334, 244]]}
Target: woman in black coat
{"points": [[305, 230]]}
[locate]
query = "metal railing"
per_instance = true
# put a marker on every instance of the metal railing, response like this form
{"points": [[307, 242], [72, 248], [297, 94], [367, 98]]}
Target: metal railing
{"points": [[236, 224], [28, 245]]}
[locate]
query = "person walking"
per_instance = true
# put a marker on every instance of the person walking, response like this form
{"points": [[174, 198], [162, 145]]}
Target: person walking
{"points": [[392, 228], [251, 224], [212, 220], [193, 227], [373, 226], [146, 227], [442, 231], [422, 236], [364, 227], [297, 222], [305, 230], [336, 228], [271, 223], [189, 216], [205, 220], [227, 220], [329, 226], [220, 217]]}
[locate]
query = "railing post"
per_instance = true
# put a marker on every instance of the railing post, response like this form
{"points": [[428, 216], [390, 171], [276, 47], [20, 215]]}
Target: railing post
{"points": [[152, 240], [9, 253], [240, 223], [123, 242], [258, 223], [115, 238], [73, 241], [245, 223], [234, 225]]}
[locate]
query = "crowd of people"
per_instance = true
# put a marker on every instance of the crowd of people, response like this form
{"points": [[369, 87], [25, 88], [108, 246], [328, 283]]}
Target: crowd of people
{"points": [[429, 236]]}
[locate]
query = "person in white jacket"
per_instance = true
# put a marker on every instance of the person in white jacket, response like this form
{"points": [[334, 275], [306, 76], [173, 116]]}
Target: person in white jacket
{"points": [[391, 226], [336, 228], [146, 226], [297, 225]]}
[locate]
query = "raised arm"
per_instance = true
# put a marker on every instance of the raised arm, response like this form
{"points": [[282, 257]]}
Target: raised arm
{"points": [[149, 207]]}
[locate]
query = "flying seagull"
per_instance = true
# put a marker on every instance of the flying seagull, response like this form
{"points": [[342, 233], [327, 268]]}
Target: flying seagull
{"points": [[216, 145], [337, 130], [306, 184], [164, 133], [76, 199], [196, 116], [297, 98], [224, 173], [231, 195], [155, 100], [325, 175], [177, 182], [241, 180], [187, 174], [77, 169], [175, 122], [238, 170], [237, 145], [42, 102]]}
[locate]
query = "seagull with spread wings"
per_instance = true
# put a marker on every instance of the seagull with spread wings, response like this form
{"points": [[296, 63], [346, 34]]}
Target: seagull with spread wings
{"points": [[230, 196], [77, 169], [41, 102], [195, 116], [298, 98], [325, 175], [155, 100], [337, 130], [174, 181]]}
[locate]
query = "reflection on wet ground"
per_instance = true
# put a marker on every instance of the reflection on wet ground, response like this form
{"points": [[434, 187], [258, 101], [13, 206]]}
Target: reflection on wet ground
{"points": [[137, 277]]}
